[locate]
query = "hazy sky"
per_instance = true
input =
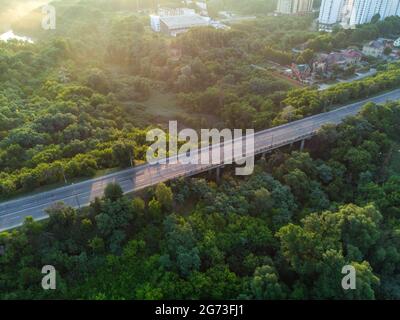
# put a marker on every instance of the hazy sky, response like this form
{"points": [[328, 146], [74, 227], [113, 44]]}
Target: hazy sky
{"points": [[11, 10]]}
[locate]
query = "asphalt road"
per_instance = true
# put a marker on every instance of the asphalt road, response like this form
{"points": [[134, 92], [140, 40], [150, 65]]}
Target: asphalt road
{"points": [[13, 213]]}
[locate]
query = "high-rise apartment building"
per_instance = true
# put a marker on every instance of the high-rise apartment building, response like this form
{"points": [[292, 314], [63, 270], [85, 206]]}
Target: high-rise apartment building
{"points": [[389, 8], [353, 12], [295, 6], [364, 10], [347, 11], [284, 6], [330, 14], [303, 6]]}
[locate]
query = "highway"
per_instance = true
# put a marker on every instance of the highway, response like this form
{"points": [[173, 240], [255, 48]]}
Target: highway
{"points": [[14, 212]]}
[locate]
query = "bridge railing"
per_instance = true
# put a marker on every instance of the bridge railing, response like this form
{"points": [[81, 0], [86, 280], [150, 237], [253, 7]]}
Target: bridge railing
{"points": [[202, 169]]}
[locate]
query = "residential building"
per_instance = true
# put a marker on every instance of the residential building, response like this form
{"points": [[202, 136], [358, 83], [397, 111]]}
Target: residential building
{"points": [[377, 48], [164, 11], [363, 11], [388, 8], [294, 6], [346, 13], [301, 71], [155, 22], [350, 13], [351, 56], [304, 6], [202, 5], [343, 60], [176, 25], [284, 6], [397, 43], [330, 14]]}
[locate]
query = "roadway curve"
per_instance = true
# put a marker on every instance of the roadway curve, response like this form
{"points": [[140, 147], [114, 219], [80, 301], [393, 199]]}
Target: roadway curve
{"points": [[13, 213]]}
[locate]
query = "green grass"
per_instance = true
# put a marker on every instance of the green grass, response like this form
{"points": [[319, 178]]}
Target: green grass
{"points": [[162, 105], [159, 108]]}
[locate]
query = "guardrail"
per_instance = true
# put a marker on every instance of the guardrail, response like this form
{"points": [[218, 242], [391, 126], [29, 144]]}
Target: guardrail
{"points": [[256, 152]]}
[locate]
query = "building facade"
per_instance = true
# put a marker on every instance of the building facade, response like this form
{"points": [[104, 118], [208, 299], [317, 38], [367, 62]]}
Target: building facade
{"points": [[303, 6], [350, 13], [175, 25], [364, 10], [155, 19], [284, 6], [377, 48], [295, 6], [155, 23], [389, 8], [330, 14]]}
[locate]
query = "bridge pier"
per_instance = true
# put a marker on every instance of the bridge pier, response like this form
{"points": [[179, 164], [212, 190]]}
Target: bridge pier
{"points": [[218, 174], [302, 145]]}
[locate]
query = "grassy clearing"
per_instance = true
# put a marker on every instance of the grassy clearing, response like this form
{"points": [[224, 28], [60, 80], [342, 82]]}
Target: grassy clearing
{"points": [[162, 105]]}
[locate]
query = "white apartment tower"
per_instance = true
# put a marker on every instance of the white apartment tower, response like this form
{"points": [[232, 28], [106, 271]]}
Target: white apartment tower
{"points": [[364, 10], [389, 8], [304, 6], [284, 7], [294, 6], [347, 12], [331, 13], [353, 12]]}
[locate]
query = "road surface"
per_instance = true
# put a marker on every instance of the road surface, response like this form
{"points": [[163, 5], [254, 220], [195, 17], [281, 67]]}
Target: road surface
{"points": [[13, 213]]}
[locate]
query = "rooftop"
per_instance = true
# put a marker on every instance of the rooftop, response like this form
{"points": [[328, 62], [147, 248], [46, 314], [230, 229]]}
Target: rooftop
{"points": [[187, 21], [352, 53]]}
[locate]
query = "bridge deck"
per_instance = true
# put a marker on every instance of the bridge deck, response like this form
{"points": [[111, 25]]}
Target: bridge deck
{"points": [[13, 213]]}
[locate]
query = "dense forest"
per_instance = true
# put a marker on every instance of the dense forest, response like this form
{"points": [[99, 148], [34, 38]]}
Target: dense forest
{"points": [[73, 106], [285, 232], [78, 102]]}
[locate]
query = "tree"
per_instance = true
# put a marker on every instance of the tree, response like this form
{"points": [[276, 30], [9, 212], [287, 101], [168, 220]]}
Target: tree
{"points": [[181, 245], [360, 226], [155, 209], [265, 284], [358, 159], [391, 202], [376, 18], [123, 152], [299, 183], [138, 206], [387, 51], [97, 245], [113, 192], [115, 215], [366, 282], [98, 81], [263, 201], [307, 56], [164, 196]]}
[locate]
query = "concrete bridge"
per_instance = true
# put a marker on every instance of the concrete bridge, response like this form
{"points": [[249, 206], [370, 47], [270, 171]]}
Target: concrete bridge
{"points": [[13, 213]]}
